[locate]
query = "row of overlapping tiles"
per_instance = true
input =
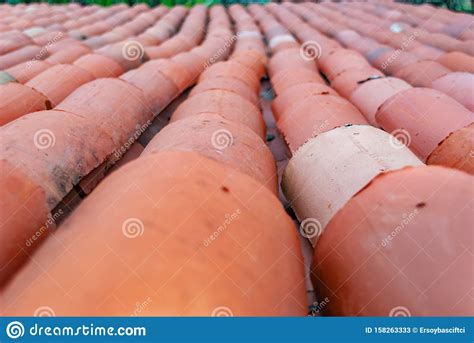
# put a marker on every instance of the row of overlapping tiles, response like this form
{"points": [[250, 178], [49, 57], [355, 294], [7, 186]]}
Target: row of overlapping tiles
{"points": [[193, 226], [379, 228]]}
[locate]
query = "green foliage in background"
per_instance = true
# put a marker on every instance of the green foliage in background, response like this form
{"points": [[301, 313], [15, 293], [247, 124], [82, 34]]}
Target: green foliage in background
{"points": [[455, 5]]}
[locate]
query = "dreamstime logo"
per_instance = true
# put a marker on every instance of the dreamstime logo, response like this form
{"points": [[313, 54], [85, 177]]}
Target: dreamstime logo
{"points": [[400, 138], [133, 227], [44, 311], [310, 228], [222, 139], [15, 330], [222, 311], [399, 311], [310, 50], [44, 139], [133, 50]]}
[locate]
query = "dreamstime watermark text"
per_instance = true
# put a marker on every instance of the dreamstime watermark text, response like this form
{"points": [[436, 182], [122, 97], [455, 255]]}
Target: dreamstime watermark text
{"points": [[229, 218], [405, 44], [50, 223], [407, 219]]}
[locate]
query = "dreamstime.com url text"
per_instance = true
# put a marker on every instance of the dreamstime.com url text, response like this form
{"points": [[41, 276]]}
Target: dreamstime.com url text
{"points": [[16, 330]]}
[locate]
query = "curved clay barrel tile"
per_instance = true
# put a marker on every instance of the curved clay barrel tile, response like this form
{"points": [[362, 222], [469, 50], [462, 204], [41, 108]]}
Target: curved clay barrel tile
{"points": [[457, 61], [227, 84], [230, 106], [56, 46], [251, 59], [422, 74], [13, 40], [390, 62], [29, 52], [17, 100], [275, 30], [259, 248], [289, 77], [347, 81], [51, 38], [91, 30], [290, 58], [440, 41], [172, 70], [232, 69], [23, 211], [59, 81], [467, 33], [341, 60], [314, 115], [207, 52], [456, 151], [281, 41], [330, 168], [297, 93], [459, 86], [68, 54], [421, 114], [97, 42], [133, 152], [370, 95], [112, 104], [425, 52], [169, 48], [99, 66], [145, 39], [386, 225], [117, 35], [374, 53], [191, 62], [222, 140], [465, 47], [25, 71], [44, 153], [129, 54], [44, 162], [251, 44], [157, 89], [350, 38], [164, 46]]}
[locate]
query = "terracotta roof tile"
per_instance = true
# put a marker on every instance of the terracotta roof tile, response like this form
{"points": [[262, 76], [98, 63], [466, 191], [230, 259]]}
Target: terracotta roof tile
{"points": [[163, 136]]}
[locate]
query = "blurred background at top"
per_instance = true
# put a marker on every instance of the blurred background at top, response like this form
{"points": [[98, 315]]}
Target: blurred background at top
{"points": [[454, 5]]}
